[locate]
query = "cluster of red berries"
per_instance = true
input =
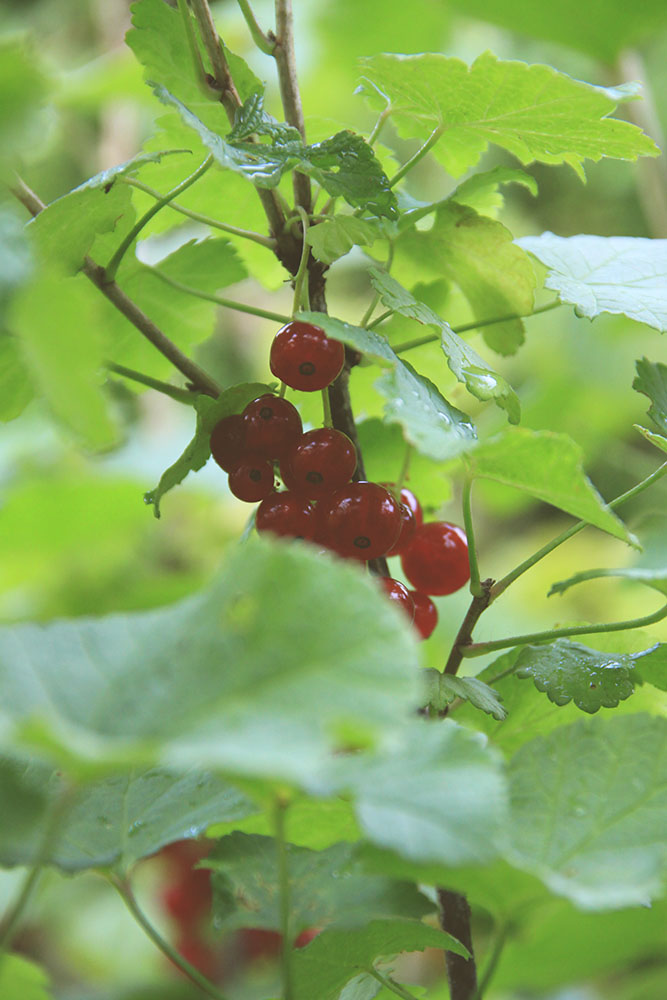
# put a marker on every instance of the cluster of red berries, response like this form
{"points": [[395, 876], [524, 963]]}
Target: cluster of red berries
{"points": [[187, 899], [320, 503]]}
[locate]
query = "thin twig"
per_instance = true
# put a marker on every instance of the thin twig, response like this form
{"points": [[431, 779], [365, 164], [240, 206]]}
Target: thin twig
{"points": [[263, 42], [476, 325], [218, 299], [283, 53], [478, 605], [419, 155], [181, 395]]}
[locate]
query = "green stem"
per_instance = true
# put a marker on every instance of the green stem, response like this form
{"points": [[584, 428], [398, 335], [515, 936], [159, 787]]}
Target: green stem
{"points": [[17, 910], [380, 319], [379, 125], [207, 220], [492, 963], [228, 303], [300, 283], [200, 72], [429, 338], [502, 585], [476, 588], [124, 890], [114, 263], [369, 312], [419, 155], [480, 648], [263, 43], [280, 810], [390, 984], [181, 395], [405, 468], [326, 407]]}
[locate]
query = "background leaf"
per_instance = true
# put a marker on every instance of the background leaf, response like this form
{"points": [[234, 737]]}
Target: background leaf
{"points": [[651, 380], [21, 979]]}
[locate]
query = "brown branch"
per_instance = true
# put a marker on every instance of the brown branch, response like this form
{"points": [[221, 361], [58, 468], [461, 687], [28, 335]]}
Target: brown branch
{"points": [[199, 379], [283, 53], [478, 605], [455, 920]]}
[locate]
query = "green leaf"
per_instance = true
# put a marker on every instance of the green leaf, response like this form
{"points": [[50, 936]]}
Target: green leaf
{"points": [[106, 178], [478, 254], [657, 439], [569, 671], [548, 466], [623, 275], [373, 345], [481, 191], [655, 577], [15, 257], [451, 815], [534, 112], [435, 427], [23, 980], [114, 821], [57, 323], [652, 666], [334, 957], [442, 689], [335, 237], [589, 808], [651, 380], [243, 676], [468, 367], [326, 887], [314, 823], [15, 386], [251, 119], [197, 453], [23, 87]]}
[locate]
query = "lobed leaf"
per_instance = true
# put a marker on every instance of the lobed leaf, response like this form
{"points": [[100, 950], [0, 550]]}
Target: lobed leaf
{"points": [[442, 689], [335, 237], [623, 275]]}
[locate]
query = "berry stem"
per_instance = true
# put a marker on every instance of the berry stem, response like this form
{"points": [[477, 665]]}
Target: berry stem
{"points": [[124, 890], [429, 338], [390, 984], [197, 64], [379, 125], [480, 648], [405, 468], [301, 296], [218, 299], [326, 407], [476, 588], [114, 263], [262, 41], [181, 395], [380, 319], [280, 809], [419, 155]]}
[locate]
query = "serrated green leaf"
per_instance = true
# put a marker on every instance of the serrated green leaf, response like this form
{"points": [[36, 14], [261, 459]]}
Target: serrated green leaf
{"points": [[451, 815], [57, 324], [326, 887], [242, 677], [477, 254], [429, 422], [651, 380], [114, 821], [589, 808], [252, 119], [21, 979], [314, 823], [623, 275], [569, 671], [481, 191], [465, 363], [548, 466], [655, 577], [335, 237], [442, 689], [198, 451], [334, 957], [534, 112]]}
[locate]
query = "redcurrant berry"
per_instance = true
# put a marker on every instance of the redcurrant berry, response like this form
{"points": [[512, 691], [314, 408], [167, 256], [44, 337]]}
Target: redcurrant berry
{"points": [[436, 560], [228, 441], [303, 357], [408, 528], [252, 480], [272, 424], [399, 595], [361, 520], [426, 613], [408, 498], [286, 514], [320, 462]]}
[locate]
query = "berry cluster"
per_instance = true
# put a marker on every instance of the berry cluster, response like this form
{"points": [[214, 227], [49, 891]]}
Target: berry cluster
{"points": [[320, 503], [187, 899]]}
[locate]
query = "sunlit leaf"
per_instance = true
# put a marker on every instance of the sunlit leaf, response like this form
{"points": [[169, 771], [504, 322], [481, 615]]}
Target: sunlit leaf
{"points": [[21, 979]]}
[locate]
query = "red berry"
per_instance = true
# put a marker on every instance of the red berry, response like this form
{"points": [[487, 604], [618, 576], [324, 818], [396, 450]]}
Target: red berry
{"points": [[257, 943], [286, 514], [189, 899], [272, 424], [436, 560], [361, 520], [426, 613], [398, 594], [305, 937], [406, 534], [320, 462], [228, 441], [303, 357], [252, 480], [408, 498]]}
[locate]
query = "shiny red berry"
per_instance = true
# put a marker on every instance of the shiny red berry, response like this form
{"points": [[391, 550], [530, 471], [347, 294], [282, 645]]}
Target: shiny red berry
{"points": [[406, 534], [252, 480], [436, 560], [426, 613], [228, 441], [361, 520], [320, 462], [272, 424], [303, 357], [399, 595], [287, 515]]}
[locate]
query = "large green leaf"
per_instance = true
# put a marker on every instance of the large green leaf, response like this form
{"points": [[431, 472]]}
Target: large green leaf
{"points": [[547, 466], [326, 887], [534, 112], [111, 822], [652, 668], [651, 380], [22, 980], [334, 957], [615, 274], [464, 362], [589, 808], [477, 254], [245, 676]]}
